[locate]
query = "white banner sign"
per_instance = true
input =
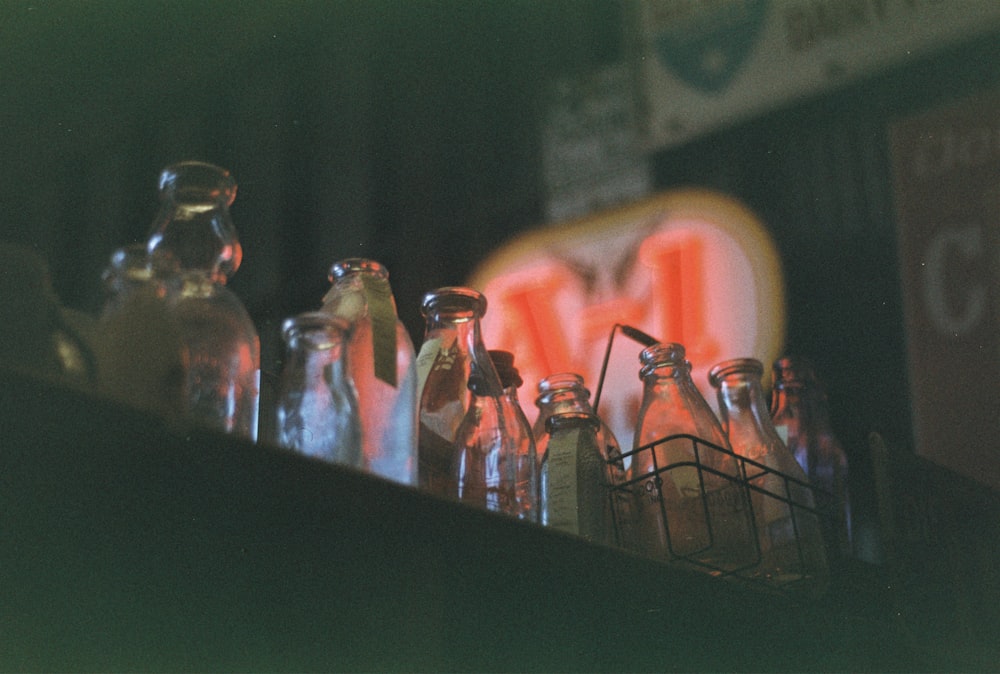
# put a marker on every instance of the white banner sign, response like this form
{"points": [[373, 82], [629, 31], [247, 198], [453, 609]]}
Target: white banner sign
{"points": [[705, 64]]}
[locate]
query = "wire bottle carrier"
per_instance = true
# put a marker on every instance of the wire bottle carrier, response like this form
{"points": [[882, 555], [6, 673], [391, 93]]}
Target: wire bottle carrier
{"points": [[754, 484]]}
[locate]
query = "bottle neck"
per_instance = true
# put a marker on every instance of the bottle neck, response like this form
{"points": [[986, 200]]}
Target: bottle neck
{"points": [[564, 400], [200, 237], [743, 412]]}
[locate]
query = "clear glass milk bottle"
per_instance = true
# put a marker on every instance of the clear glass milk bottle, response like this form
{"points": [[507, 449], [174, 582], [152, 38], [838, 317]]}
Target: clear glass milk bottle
{"points": [[791, 544], [382, 366], [519, 430], [222, 368], [801, 417], [452, 353], [565, 392], [682, 510], [494, 464], [575, 488], [316, 408]]}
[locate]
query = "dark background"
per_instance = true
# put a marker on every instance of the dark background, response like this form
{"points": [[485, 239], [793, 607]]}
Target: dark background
{"points": [[407, 132]]}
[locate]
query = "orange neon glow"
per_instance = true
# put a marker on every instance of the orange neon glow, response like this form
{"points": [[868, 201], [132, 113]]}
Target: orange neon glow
{"points": [[677, 261], [690, 266]]}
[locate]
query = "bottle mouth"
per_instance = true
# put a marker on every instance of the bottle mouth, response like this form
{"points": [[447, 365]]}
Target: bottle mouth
{"points": [[792, 371], [318, 329], [661, 355], [457, 301], [727, 368], [560, 381], [195, 182], [357, 265]]}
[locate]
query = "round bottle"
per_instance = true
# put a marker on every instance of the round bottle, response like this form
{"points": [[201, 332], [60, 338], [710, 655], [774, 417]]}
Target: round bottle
{"points": [[222, 369]]}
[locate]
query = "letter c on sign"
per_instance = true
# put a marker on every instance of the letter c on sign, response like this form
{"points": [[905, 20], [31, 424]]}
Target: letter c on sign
{"points": [[952, 320]]}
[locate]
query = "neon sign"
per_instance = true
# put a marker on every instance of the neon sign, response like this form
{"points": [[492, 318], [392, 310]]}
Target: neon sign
{"points": [[690, 266]]}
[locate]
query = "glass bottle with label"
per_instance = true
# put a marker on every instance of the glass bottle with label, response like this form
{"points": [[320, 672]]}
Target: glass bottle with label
{"points": [[452, 354], [801, 417], [565, 392], [223, 349], [575, 490], [682, 510], [791, 544], [316, 408], [383, 366]]}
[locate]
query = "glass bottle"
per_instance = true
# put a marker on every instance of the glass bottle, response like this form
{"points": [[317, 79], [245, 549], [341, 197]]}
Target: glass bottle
{"points": [[316, 408], [791, 543], [452, 354], [140, 352], [684, 511], [518, 428], [494, 465], [383, 366], [801, 417], [223, 349], [575, 488], [565, 392]]}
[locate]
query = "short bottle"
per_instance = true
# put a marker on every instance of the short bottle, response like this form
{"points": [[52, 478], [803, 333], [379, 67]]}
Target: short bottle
{"points": [[575, 488], [222, 368], [518, 428], [691, 504], [451, 356], [138, 345], [316, 408], [490, 467], [793, 554], [567, 392], [801, 417], [382, 366]]}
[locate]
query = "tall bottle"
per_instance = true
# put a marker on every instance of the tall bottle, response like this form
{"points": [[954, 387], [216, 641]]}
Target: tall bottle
{"points": [[382, 366], [494, 465], [223, 349], [791, 543], [452, 354], [575, 488], [684, 511], [317, 409], [801, 417]]}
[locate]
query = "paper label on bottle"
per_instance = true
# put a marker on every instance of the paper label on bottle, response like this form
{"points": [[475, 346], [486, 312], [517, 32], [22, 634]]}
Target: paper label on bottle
{"points": [[426, 360], [782, 433], [563, 500], [382, 312]]}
